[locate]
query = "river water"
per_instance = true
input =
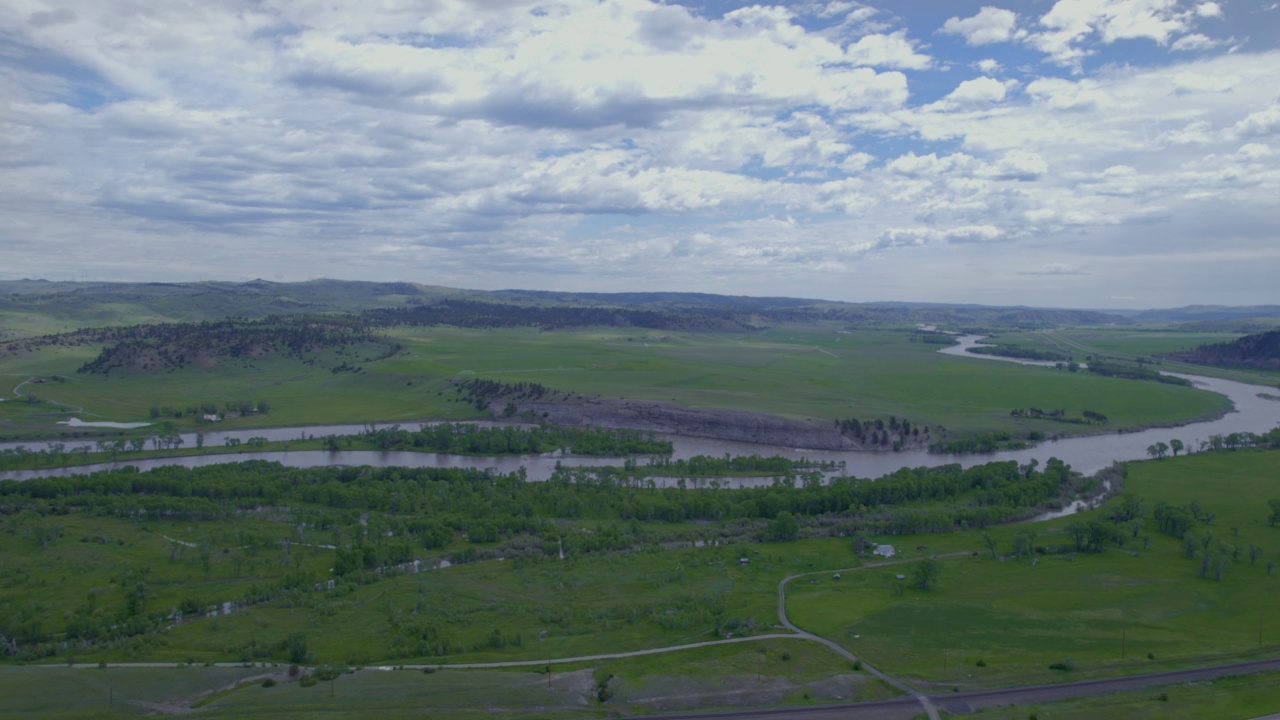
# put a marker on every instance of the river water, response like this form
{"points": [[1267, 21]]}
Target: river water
{"points": [[1087, 454]]}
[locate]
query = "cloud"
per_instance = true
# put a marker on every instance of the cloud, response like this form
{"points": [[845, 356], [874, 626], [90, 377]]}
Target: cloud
{"points": [[1069, 23], [45, 18], [1196, 41], [1056, 268], [978, 91], [1209, 9], [802, 147], [891, 51], [990, 25]]}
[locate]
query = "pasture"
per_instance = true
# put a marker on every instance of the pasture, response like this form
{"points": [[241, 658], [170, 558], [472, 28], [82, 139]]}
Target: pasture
{"points": [[1125, 610], [819, 373]]}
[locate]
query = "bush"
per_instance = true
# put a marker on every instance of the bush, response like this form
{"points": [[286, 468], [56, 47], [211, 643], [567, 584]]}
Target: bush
{"points": [[981, 663], [269, 682], [1066, 664], [308, 681]]}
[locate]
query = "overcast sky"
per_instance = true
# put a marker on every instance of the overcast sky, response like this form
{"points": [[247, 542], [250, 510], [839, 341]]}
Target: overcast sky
{"points": [[1083, 153]]}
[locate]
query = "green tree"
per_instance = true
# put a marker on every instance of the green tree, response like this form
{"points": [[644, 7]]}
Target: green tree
{"points": [[1079, 533], [1176, 445], [297, 647], [925, 573], [1024, 542], [990, 542], [783, 526]]}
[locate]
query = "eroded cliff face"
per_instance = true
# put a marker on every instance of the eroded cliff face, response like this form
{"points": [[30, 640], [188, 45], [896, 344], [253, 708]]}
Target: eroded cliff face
{"points": [[663, 417]]}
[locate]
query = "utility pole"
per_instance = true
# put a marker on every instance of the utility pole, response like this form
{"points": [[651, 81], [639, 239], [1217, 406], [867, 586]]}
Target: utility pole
{"points": [[1123, 637]]}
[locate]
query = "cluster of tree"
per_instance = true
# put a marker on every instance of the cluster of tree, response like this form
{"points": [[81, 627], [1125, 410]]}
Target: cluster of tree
{"points": [[480, 393], [702, 466], [985, 442], [467, 501], [895, 433], [933, 338], [1238, 440], [468, 439], [1022, 352], [1261, 350], [240, 407], [174, 345], [1132, 371], [382, 517]]}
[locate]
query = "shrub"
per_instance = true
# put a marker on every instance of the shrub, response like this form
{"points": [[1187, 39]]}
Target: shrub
{"points": [[269, 682], [1066, 664]]}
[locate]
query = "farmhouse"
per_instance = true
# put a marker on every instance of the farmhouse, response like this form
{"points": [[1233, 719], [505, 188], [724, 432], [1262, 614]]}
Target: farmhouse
{"points": [[885, 551]]}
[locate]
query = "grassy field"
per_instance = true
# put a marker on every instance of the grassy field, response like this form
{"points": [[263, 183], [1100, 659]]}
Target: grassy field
{"points": [[818, 373], [1132, 343], [771, 672], [987, 622], [1124, 610], [1249, 696]]}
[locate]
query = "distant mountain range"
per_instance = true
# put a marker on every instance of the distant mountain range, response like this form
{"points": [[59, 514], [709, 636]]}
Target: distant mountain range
{"points": [[77, 304]]}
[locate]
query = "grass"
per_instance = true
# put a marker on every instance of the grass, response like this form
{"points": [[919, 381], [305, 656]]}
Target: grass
{"points": [[1140, 609], [61, 692], [1106, 612], [772, 672], [817, 373], [1247, 696], [1132, 343]]}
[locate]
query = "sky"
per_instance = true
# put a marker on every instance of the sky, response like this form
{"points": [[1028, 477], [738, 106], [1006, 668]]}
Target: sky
{"points": [[1068, 153]]}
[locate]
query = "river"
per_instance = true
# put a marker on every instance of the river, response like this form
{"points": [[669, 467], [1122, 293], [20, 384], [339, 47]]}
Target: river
{"points": [[1086, 454]]}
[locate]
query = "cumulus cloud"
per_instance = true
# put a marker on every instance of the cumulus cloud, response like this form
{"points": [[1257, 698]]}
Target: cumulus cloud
{"points": [[890, 51], [990, 25], [979, 91], [484, 143], [1069, 23]]}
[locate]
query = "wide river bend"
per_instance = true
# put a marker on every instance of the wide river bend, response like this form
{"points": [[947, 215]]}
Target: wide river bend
{"points": [[1087, 454]]}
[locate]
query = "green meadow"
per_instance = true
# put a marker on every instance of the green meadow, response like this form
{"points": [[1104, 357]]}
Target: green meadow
{"points": [[1129, 609], [819, 373], [1245, 696], [1130, 343], [1140, 607], [768, 672]]}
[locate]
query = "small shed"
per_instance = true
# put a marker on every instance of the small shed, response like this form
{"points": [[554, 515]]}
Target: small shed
{"points": [[836, 576], [885, 551], [744, 561]]}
